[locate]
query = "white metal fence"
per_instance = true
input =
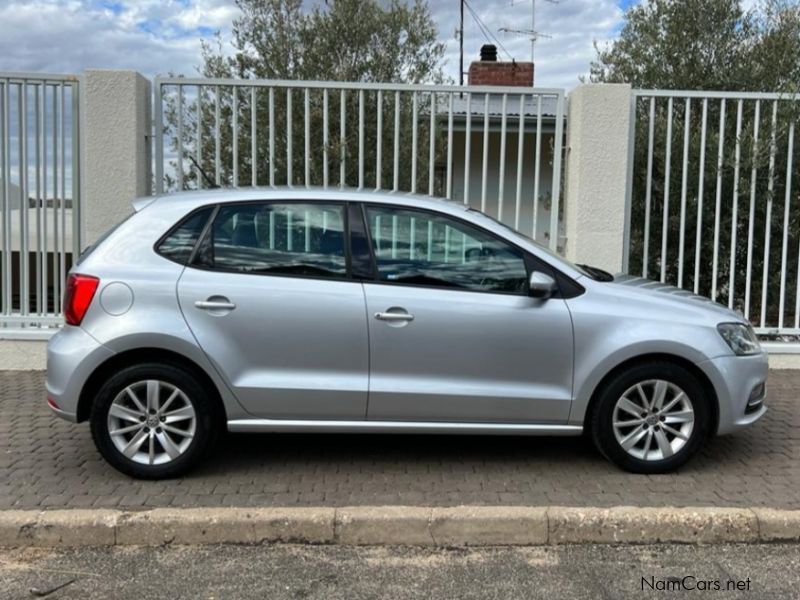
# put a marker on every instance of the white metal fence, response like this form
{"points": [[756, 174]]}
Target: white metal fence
{"points": [[498, 149], [39, 198], [713, 201]]}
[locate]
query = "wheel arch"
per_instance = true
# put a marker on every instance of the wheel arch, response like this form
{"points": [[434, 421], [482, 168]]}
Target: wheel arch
{"points": [[691, 367], [138, 356]]}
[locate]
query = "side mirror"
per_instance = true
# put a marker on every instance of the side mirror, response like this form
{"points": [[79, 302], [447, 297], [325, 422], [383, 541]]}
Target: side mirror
{"points": [[541, 285]]}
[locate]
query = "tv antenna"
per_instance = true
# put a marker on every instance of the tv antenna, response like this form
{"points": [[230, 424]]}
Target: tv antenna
{"points": [[487, 33], [532, 33]]}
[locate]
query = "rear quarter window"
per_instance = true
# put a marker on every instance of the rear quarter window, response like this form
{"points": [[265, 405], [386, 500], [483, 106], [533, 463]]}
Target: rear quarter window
{"points": [[179, 242]]}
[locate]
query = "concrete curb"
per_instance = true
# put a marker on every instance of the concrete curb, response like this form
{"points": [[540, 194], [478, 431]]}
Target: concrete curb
{"points": [[399, 525]]}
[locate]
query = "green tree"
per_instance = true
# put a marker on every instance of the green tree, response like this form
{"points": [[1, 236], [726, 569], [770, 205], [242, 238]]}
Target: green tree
{"points": [[705, 45], [340, 40], [713, 45]]}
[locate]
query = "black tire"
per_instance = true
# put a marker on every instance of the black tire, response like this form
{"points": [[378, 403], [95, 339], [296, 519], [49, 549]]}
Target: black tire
{"points": [[207, 424], [601, 418]]}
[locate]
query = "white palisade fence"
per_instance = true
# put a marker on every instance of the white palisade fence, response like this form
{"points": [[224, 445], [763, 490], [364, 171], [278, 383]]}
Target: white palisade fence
{"points": [[714, 200], [497, 149], [39, 199]]}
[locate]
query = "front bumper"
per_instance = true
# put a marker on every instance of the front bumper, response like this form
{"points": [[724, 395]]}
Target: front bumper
{"points": [[72, 356], [735, 378]]}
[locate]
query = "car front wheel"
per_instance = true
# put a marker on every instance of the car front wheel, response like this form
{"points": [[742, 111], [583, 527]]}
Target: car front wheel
{"points": [[153, 421], [651, 418]]}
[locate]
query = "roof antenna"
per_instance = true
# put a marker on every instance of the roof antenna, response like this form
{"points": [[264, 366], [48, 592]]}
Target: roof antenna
{"points": [[534, 35], [211, 184]]}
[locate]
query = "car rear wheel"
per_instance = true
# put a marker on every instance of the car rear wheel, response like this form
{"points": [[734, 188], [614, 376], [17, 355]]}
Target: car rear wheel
{"points": [[153, 421], [651, 418]]}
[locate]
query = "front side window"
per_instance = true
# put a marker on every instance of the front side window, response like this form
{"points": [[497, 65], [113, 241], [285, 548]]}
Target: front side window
{"points": [[277, 239], [422, 248]]}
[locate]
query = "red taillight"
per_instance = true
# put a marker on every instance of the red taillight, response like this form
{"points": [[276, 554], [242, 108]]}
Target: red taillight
{"points": [[78, 296]]}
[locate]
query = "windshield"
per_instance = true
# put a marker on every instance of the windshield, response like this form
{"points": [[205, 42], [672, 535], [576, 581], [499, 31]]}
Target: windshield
{"points": [[587, 270]]}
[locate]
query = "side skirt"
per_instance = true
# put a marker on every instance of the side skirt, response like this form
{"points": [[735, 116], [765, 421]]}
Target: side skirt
{"points": [[310, 426]]}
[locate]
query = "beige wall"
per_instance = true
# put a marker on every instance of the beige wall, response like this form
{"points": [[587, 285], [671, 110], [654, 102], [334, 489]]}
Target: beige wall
{"points": [[115, 147], [596, 174]]}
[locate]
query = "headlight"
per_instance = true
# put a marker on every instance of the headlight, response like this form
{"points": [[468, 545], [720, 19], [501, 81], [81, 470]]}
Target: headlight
{"points": [[740, 337]]}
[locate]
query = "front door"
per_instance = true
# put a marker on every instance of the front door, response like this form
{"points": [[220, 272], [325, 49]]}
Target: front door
{"points": [[269, 300], [453, 334]]}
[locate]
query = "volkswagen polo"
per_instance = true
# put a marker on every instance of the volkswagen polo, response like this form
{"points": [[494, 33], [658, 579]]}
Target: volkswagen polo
{"points": [[308, 310]]}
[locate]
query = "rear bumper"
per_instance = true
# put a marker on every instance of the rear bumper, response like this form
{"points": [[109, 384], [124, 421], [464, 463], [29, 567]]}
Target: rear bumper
{"points": [[738, 380], [72, 356]]}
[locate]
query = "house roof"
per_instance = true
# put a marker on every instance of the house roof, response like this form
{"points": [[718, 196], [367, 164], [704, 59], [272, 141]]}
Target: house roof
{"points": [[477, 106], [13, 193]]}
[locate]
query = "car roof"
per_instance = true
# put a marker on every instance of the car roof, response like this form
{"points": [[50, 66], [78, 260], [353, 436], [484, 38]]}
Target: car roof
{"points": [[311, 193]]}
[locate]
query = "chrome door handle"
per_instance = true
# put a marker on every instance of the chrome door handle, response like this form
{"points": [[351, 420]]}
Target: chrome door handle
{"points": [[214, 305], [387, 316]]}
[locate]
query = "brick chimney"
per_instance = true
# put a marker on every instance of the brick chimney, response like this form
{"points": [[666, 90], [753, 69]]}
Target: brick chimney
{"points": [[489, 71]]}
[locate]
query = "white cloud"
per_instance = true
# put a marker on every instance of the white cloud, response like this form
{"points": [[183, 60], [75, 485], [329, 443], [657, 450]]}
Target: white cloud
{"points": [[161, 36], [151, 36]]}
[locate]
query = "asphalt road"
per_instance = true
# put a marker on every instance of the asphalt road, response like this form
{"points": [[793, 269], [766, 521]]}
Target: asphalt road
{"points": [[353, 573]]}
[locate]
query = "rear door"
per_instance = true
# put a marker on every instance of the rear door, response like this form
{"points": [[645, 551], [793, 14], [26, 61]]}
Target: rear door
{"points": [[270, 300]]}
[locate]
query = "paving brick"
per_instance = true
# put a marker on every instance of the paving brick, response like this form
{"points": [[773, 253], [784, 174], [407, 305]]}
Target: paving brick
{"points": [[49, 463]]}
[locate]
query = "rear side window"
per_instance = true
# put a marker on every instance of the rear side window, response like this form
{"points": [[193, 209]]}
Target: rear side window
{"points": [[179, 243], [273, 238]]}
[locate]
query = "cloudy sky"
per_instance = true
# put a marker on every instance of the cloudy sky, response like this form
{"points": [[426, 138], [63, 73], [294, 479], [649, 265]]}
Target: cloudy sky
{"points": [[159, 36]]}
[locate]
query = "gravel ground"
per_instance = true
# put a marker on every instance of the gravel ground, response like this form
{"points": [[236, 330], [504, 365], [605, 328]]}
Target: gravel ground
{"points": [[354, 573]]}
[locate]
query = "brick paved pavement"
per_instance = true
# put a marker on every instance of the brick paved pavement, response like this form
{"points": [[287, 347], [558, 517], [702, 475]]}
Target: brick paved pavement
{"points": [[46, 462]]}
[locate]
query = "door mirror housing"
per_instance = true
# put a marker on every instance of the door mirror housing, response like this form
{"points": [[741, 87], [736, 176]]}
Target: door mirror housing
{"points": [[541, 285]]}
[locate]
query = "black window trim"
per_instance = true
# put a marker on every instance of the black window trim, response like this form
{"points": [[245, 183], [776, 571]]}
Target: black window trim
{"points": [[203, 234], [179, 224], [357, 208], [343, 204], [530, 260]]}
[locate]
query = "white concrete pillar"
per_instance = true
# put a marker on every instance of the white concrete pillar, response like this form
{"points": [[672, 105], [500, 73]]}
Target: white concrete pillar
{"points": [[598, 142], [115, 147]]}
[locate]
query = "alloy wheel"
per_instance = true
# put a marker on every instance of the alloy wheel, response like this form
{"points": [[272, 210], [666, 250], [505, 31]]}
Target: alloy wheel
{"points": [[653, 420], [152, 422]]}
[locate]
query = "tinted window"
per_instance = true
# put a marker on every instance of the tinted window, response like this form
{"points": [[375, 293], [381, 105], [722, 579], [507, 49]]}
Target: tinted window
{"points": [[422, 248], [278, 239], [180, 241]]}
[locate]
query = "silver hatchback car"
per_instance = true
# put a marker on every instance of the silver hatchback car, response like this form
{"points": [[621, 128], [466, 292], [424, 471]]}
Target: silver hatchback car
{"points": [[348, 311]]}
